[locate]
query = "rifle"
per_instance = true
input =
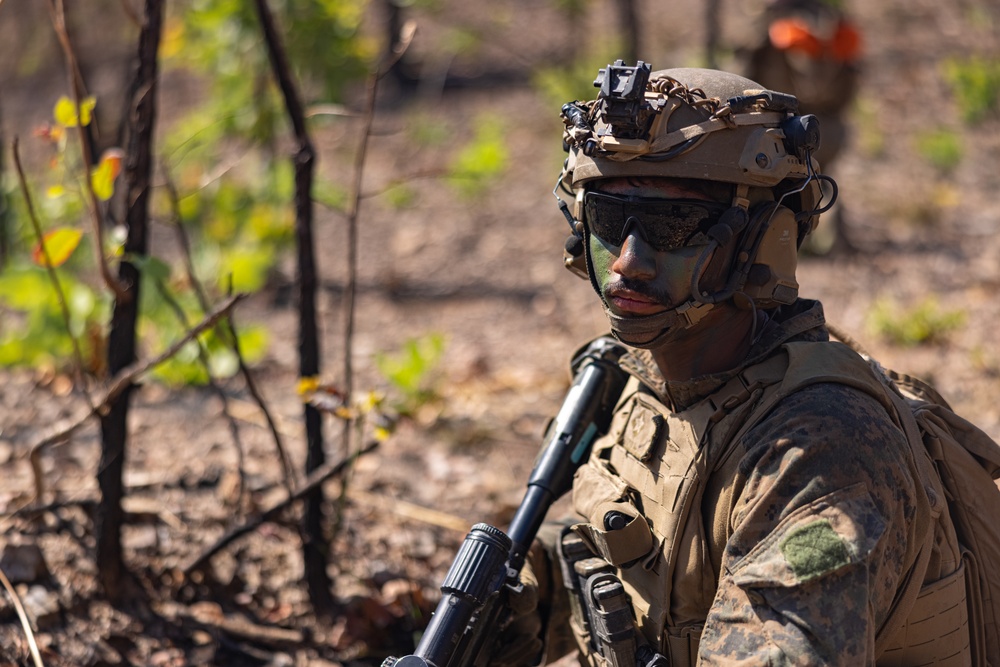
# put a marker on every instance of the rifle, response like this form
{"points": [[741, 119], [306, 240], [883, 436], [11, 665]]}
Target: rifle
{"points": [[486, 570]]}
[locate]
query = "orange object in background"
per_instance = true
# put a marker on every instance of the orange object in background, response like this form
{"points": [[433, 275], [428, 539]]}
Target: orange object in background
{"points": [[795, 34]]}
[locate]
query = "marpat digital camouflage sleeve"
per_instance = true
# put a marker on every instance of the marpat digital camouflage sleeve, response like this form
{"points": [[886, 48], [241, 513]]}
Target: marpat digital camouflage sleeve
{"points": [[820, 535]]}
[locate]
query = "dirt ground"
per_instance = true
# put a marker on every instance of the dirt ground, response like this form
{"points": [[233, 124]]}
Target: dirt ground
{"points": [[485, 272]]}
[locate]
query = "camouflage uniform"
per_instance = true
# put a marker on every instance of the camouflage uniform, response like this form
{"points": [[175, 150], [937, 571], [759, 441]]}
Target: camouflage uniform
{"points": [[797, 535]]}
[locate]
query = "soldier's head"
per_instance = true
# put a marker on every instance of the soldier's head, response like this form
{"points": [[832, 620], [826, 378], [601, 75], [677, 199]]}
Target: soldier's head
{"points": [[686, 189]]}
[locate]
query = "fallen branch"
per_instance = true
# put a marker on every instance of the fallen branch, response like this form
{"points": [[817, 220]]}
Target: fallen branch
{"points": [[241, 628], [315, 479], [406, 510]]}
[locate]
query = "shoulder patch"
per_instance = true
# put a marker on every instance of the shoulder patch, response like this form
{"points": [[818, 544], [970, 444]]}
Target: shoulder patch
{"points": [[814, 549], [838, 530]]}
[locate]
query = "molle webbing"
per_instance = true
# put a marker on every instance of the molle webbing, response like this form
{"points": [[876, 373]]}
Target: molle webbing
{"points": [[664, 462]]}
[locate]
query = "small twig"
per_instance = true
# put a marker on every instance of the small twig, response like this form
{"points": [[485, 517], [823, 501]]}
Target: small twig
{"points": [[58, 16], [350, 292], [133, 371], [234, 428], [21, 614], [289, 479], [49, 266], [315, 479], [130, 12], [86, 504], [406, 510]]}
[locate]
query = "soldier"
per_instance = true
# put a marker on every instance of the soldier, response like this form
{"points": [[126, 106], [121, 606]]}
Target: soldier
{"points": [[756, 500], [812, 49]]}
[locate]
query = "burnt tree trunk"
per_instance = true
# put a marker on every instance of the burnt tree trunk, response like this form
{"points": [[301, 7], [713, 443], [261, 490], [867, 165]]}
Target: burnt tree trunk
{"points": [[712, 33], [316, 549], [402, 72], [628, 17], [122, 335], [4, 249]]}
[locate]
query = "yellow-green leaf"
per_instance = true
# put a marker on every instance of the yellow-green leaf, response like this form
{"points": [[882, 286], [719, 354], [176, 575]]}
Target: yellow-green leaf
{"points": [[59, 244], [66, 114], [102, 178]]}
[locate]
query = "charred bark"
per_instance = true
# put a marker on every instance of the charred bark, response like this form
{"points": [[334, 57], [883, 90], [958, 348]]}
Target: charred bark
{"points": [[628, 17], [316, 549], [125, 315]]}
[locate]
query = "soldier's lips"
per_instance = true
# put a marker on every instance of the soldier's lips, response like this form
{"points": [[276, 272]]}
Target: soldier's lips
{"points": [[629, 302]]}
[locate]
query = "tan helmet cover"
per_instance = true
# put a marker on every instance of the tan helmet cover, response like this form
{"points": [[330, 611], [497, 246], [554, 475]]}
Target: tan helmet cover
{"points": [[697, 133]]}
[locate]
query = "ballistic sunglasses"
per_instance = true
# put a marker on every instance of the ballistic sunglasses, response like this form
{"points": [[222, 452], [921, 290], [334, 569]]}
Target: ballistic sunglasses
{"points": [[665, 224]]}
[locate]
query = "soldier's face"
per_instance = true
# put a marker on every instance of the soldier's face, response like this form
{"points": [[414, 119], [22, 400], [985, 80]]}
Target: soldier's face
{"points": [[635, 278]]}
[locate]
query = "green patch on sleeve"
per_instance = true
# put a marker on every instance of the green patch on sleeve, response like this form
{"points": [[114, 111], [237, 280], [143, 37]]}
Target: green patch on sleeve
{"points": [[814, 549]]}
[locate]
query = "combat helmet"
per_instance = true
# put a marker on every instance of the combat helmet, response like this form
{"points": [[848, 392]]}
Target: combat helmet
{"points": [[711, 126]]}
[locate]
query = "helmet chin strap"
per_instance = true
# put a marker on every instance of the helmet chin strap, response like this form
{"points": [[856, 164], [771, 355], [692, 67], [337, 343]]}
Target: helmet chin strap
{"points": [[648, 331]]}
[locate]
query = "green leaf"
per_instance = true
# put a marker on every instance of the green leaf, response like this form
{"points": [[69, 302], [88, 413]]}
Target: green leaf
{"points": [[411, 370]]}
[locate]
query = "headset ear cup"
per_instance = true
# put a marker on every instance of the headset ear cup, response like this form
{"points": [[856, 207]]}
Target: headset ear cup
{"points": [[772, 257]]}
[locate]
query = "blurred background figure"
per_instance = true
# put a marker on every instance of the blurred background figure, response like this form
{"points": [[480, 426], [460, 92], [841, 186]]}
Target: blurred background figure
{"points": [[812, 49]]}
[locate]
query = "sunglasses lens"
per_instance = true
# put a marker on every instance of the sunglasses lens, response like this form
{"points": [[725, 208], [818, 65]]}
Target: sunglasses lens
{"points": [[665, 224]]}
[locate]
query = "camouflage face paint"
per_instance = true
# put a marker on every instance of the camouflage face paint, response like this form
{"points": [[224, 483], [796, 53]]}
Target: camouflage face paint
{"points": [[635, 279]]}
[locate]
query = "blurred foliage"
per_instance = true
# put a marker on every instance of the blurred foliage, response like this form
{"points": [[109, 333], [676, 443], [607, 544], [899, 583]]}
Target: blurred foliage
{"points": [[865, 124], [924, 322], [33, 333], [221, 40], [33, 330], [942, 148], [483, 160], [231, 189], [240, 227], [413, 371], [975, 83]]}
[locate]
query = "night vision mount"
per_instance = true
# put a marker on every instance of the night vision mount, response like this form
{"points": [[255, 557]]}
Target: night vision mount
{"points": [[622, 99]]}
